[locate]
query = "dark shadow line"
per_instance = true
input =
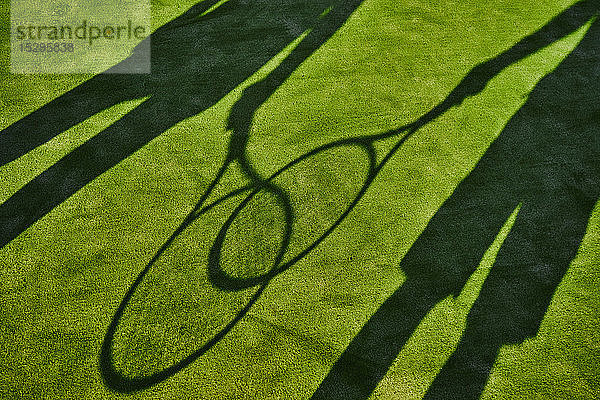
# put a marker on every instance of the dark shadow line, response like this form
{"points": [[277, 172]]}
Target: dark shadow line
{"points": [[74, 107]]}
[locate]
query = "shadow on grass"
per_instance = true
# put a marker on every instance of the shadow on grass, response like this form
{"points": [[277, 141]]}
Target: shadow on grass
{"points": [[547, 159], [437, 265], [239, 122], [544, 160], [196, 60]]}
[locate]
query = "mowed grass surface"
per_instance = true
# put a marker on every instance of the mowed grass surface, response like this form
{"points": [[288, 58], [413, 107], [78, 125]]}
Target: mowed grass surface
{"points": [[62, 280]]}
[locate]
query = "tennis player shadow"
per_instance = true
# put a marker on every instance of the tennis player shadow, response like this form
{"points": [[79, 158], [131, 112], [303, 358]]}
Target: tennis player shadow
{"points": [[422, 280], [196, 60], [239, 122], [546, 161]]}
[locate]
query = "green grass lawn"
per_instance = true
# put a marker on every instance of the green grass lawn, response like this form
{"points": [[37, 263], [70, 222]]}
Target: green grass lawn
{"points": [[63, 278]]}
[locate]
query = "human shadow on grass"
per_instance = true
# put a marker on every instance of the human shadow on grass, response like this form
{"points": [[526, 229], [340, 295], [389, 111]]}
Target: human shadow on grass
{"points": [[196, 60], [547, 160], [239, 123], [336, 385]]}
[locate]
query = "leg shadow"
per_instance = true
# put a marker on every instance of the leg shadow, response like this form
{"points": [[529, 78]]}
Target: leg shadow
{"points": [[546, 159], [554, 141]]}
